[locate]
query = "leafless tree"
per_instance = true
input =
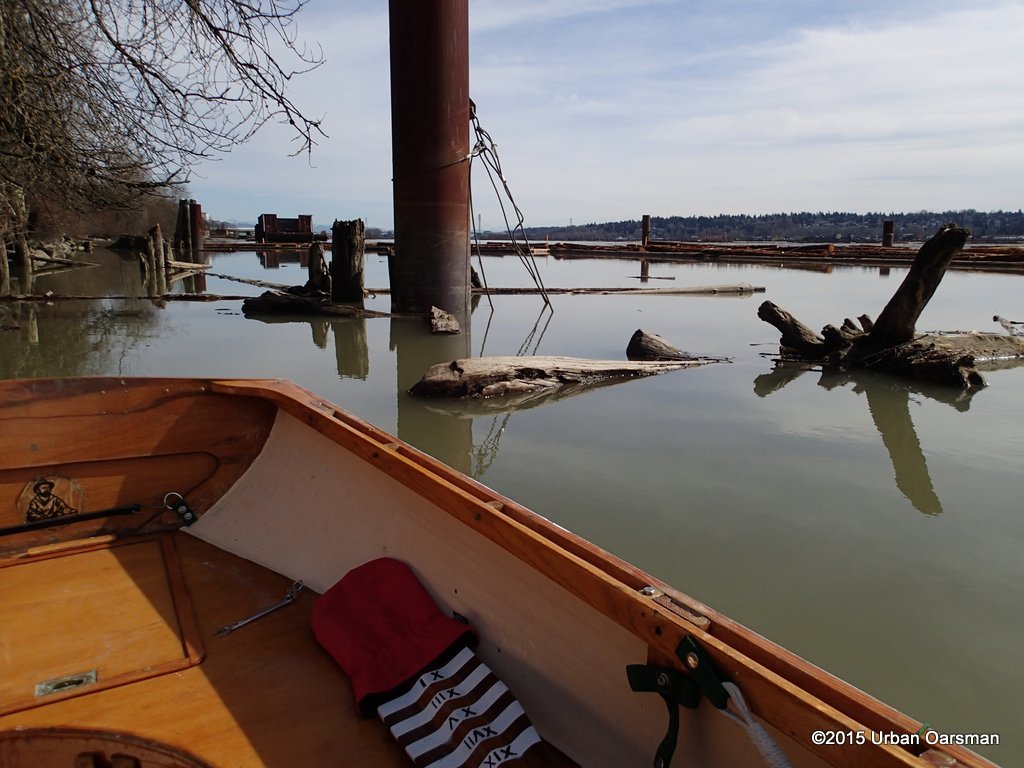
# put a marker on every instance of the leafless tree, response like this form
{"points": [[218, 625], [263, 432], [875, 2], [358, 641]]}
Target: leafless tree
{"points": [[102, 98]]}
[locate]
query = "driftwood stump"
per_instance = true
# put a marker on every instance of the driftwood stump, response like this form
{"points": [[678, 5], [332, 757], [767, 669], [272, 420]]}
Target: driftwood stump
{"points": [[348, 260], [891, 344], [896, 322]]}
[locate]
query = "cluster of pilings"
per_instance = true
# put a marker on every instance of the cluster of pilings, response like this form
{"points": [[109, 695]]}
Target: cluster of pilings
{"points": [[154, 261], [188, 230]]}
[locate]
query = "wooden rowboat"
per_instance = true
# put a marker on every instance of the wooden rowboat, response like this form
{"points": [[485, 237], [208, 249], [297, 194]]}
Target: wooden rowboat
{"points": [[139, 516]]}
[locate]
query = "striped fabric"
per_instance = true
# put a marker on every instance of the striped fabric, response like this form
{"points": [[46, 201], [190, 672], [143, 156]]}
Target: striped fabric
{"points": [[459, 715]]}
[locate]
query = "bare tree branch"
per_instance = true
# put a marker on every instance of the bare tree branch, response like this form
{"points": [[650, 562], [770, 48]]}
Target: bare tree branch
{"points": [[103, 98]]}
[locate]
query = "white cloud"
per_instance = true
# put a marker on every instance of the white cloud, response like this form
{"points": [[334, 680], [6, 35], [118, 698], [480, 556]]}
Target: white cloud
{"points": [[610, 109]]}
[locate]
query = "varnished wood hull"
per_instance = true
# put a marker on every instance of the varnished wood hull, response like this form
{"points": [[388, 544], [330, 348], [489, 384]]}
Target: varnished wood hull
{"points": [[287, 486]]}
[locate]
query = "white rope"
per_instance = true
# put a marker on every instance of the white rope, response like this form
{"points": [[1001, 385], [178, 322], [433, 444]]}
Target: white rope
{"points": [[773, 756]]}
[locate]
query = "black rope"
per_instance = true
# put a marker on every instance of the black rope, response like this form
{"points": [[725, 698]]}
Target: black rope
{"points": [[51, 522]]}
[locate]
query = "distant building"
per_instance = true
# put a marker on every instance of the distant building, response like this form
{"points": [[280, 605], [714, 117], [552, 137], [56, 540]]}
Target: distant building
{"points": [[273, 229]]}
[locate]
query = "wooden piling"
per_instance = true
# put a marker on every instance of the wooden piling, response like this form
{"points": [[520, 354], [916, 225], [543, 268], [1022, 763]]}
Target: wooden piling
{"points": [[195, 225], [645, 230], [5, 270], [318, 276], [157, 240], [348, 259], [182, 227], [148, 260], [888, 233], [22, 253], [157, 259]]}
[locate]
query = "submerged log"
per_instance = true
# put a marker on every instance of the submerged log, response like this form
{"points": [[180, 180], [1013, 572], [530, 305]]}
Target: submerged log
{"points": [[644, 345], [891, 343], [492, 376], [277, 303]]}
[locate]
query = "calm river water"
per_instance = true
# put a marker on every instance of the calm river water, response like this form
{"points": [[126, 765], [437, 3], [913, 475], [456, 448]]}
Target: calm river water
{"points": [[872, 527]]}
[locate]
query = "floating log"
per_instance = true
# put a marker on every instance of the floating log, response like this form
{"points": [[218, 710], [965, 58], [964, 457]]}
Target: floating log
{"points": [[891, 343], [189, 266], [44, 259], [738, 289], [53, 297], [492, 376]]}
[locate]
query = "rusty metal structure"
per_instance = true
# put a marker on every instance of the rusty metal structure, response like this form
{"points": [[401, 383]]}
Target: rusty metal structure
{"points": [[430, 118], [272, 228]]}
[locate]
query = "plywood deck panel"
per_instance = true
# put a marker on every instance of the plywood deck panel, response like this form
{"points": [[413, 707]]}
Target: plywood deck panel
{"points": [[109, 611], [265, 695]]}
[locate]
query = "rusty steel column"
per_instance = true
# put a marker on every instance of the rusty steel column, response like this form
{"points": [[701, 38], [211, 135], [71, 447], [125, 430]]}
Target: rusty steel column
{"points": [[430, 144], [195, 217]]}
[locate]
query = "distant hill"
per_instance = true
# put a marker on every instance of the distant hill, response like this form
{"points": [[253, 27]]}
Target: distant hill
{"points": [[795, 227]]}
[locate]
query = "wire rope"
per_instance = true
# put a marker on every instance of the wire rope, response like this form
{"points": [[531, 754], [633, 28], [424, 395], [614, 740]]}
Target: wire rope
{"points": [[487, 151]]}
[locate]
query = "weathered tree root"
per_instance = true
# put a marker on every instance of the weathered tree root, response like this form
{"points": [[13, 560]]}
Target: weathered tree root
{"points": [[890, 343]]}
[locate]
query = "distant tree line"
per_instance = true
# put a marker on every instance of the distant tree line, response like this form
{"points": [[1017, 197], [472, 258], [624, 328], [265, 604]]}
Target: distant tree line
{"points": [[818, 227]]}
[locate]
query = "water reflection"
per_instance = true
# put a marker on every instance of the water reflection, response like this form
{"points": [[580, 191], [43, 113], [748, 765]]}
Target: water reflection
{"points": [[72, 338], [889, 405], [276, 257], [438, 434], [888, 401], [351, 349]]}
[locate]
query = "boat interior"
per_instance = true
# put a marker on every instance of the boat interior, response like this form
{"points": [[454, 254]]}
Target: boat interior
{"points": [[184, 507]]}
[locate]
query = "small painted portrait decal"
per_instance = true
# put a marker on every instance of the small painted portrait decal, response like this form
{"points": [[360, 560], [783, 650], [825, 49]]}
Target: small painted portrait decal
{"points": [[50, 497]]}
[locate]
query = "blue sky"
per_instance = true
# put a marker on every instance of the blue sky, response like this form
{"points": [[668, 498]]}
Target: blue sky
{"points": [[604, 110]]}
